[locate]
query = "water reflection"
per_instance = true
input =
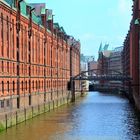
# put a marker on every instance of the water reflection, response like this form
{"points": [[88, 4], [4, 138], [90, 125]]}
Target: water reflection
{"points": [[97, 116]]}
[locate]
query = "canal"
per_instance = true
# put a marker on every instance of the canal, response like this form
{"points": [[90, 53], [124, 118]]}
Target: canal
{"points": [[97, 116]]}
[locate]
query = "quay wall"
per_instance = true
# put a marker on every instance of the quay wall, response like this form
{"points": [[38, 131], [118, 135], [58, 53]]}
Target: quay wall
{"points": [[14, 117]]}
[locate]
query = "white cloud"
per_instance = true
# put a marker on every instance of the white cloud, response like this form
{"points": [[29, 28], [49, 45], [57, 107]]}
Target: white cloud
{"points": [[124, 6]]}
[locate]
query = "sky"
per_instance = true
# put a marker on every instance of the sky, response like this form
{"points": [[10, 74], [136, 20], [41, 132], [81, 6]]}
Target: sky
{"points": [[92, 21]]}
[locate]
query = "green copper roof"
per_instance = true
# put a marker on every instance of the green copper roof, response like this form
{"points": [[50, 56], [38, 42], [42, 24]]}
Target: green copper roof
{"points": [[10, 2], [23, 6], [36, 19], [100, 48], [43, 11], [56, 25], [62, 30], [106, 47]]}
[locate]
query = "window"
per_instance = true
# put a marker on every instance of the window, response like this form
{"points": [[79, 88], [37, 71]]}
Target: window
{"points": [[22, 86], [26, 85], [36, 85], [8, 86], [8, 67], [33, 70], [22, 69], [2, 66], [48, 84], [2, 87], [33, 85], [13, 86], [2, 104], [42, 84], [8, 103]]}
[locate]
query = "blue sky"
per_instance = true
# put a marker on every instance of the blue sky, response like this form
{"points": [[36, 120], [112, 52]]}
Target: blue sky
{"points": [[93, 21]]}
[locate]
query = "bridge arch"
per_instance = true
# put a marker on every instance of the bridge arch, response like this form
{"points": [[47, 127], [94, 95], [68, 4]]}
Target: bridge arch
{"points": [[97, 75]]}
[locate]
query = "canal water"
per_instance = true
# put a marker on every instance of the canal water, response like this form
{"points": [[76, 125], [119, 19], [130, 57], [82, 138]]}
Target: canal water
{"points": [[97, 116]]}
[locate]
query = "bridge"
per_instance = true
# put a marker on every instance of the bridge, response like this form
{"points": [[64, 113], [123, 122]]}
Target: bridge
{"points": [[98, 75]]}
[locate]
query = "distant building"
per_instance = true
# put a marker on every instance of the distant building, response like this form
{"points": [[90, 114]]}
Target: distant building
{"points": [[115, 59], [103, 58], [115, 63], [85, 58], [38, 7], [103, 61], [92, 65], [84, 67]]}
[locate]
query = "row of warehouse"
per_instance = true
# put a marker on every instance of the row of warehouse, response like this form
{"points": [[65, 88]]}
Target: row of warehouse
{"points": [[37, 57]]}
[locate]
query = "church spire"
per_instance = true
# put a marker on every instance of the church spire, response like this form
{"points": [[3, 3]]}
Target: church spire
{"points": [[100, 48]]}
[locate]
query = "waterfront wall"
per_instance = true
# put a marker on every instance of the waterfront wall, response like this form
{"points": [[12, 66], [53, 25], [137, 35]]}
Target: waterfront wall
{"points": [[14, 117]]}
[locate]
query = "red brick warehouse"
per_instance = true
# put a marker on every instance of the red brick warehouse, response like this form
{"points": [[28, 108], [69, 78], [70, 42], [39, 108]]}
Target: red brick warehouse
{"points": [[34, 56], [131, 53]]}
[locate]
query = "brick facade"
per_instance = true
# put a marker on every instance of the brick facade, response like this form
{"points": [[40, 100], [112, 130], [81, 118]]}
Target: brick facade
{"points": [[131, 53], [34, 61]]}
